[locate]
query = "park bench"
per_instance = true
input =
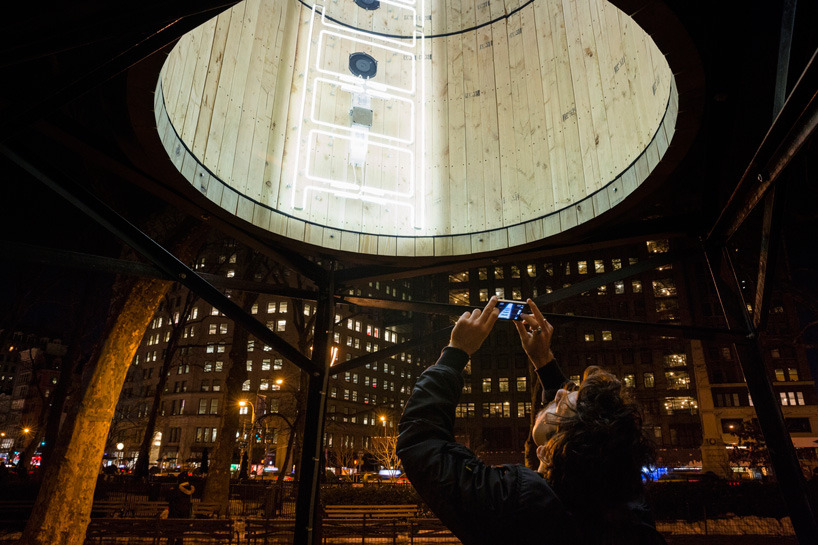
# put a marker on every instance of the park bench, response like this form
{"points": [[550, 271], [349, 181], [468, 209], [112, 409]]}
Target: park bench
{"points": [[264, 530], [426, 527], [15, 513], [156, 531], [366, 520]]}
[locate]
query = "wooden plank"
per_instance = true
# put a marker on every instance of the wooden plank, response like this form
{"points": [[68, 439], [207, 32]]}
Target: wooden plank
{"points": [[491, 195], [261, 216], [593, 44], [313, 234], [405, 246], [551, 225], [548, 43], [387, 245], [479, 243], [350, 241], [461, 245], [438, 200], [601, 202], [221, 103], [615, 191], [578, 50], [534, 230], [230, 200], [585, 210], [498, 239], [475, 213], [504, 207], [538, 140], [568, 218], [457, 214], [256, 35], [368, 244], [245, 208], [443, 246], [197, 84], [516, 235], [424, 246], [235, 83], [284, 139], [282, 102]]}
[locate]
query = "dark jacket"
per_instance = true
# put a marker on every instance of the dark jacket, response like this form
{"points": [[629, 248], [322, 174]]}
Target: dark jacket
{"points": [[480, 504]]}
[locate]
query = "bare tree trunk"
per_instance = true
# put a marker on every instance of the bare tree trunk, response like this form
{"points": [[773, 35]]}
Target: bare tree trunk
{"points": [[217, 485], [63, 507]]}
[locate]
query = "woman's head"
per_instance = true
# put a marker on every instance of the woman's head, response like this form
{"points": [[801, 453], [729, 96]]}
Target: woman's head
{"points": [[593, 450]]}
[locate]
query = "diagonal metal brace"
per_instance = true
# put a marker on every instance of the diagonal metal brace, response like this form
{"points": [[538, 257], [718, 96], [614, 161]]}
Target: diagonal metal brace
{"points": [[159, 256]]}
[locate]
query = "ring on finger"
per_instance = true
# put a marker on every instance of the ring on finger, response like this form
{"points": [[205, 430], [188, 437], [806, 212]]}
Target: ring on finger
{"points": [[537, 331]]}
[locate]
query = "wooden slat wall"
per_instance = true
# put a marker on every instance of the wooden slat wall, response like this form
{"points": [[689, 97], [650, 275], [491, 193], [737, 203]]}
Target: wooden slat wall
{"points": [[535, 123]]}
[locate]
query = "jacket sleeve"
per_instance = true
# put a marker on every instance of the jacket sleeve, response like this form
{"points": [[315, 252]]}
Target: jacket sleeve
{"points": [[552, 379], [478, 503]]}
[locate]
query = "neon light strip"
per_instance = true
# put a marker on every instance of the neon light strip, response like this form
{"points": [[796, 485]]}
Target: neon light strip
{"points": [[353, 79], [402, 194], [348, 128], [400, 43], [293, 204]]}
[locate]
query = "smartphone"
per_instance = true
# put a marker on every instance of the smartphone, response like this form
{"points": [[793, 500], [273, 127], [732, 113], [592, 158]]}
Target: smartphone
{"points": [[511, 310]]}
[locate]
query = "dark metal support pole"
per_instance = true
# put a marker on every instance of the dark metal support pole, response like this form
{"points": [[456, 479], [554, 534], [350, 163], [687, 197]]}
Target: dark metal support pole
{"points": [[307, 519], [159, 256], [770, 418], [773, 208]]}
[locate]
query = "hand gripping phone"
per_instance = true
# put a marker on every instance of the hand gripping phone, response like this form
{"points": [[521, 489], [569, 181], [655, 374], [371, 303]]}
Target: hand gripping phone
{"points": [[511, 310]]}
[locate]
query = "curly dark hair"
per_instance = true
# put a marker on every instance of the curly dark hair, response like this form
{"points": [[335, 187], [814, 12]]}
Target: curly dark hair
{"points": [[595, 458]]}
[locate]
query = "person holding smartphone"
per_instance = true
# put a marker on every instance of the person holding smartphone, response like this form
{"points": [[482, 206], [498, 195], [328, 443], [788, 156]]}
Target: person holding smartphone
{"points": [[590, 445]]}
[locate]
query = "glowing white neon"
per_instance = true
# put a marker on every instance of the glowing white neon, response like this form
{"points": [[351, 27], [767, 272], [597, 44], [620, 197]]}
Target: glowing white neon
{"points": [[409, 190], [355, 90], [350, 78], [400, 43]]}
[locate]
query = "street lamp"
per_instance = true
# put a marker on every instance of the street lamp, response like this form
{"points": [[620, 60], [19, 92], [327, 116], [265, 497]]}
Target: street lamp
{"points": [[252, 430], [383, 421], [119, 454]]}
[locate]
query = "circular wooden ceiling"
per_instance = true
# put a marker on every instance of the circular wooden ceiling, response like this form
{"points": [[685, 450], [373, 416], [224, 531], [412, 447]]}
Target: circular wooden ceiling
{"points": [[472, 126]]}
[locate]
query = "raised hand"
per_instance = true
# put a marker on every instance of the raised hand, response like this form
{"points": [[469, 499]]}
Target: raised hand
{"points": [[535, 335], [473, 327]]}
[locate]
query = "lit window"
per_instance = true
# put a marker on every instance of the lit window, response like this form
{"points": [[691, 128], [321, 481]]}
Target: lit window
{"points": [[482, 273], [658, 246], [665, 287], [589, 336], [231, 273], [649, 380], [521, 383], [616, 264], [498, 273], [636, 286], [685, 404], [282, 307], [271, 307], [675, 360], [629, 380], [486, 385], [619, 287], [607, 336], [500, 293], [677, 380], [582, 267], [599, 266], [779, 375], [459, 277], [245, 387], [281, 325], [503, 384], [265, 365], [515, 271], [792, 372], [484, 294], [531, 270]]}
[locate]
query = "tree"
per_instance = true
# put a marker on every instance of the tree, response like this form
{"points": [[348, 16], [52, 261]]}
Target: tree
{"points": [[63, 507], [751, 449], [383, 450], [178, 324]]}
